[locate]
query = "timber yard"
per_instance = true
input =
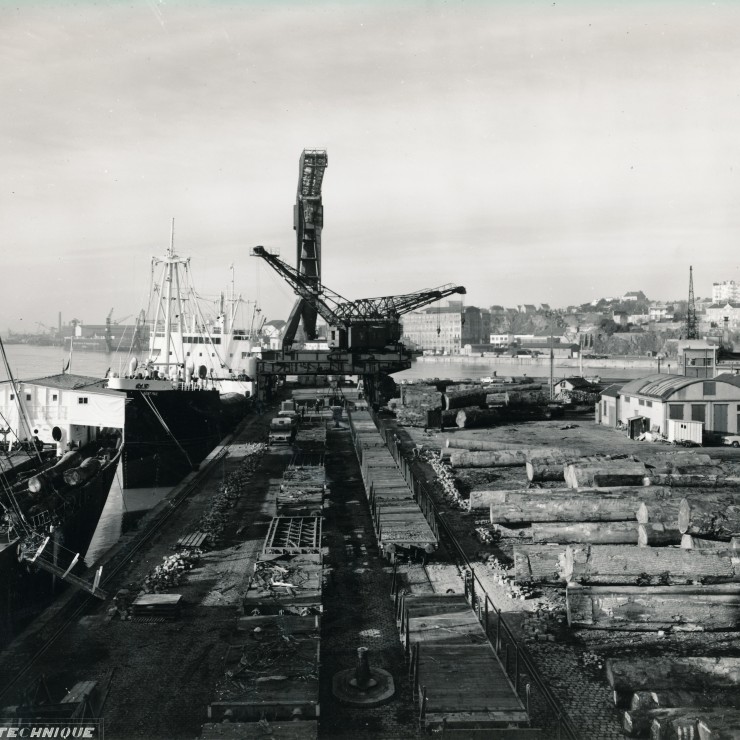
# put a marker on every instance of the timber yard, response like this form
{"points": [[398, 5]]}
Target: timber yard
{"points": [[345, 556]]}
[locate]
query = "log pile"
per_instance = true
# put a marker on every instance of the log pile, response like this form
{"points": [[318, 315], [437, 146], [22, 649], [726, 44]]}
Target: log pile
{"points": [[669, 673], [416, 401]]}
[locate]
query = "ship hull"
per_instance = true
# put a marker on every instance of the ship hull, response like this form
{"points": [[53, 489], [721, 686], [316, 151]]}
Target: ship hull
{"points": [[167, 434], [25, 591]]}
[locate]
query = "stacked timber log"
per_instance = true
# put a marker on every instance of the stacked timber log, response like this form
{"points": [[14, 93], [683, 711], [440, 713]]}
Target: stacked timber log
{"points": [[551, 467], [637, 566], [508, 457], [415, 403], [627, 588], [471, 441], [460, 399], [565, 504], [664, 676], [713, 517], [614, 473]]}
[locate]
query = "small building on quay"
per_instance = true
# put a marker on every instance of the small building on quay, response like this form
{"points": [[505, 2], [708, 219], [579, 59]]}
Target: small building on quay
{"points": [[675, 406]]}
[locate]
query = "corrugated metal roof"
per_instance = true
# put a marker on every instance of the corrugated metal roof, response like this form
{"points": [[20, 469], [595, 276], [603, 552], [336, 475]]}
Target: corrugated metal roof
{"points": [[612, 391], [663, 386], [729, 378]]}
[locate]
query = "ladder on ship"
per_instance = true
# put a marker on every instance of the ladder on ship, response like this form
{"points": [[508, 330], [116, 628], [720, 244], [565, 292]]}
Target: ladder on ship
{"points": [[39, 558]]}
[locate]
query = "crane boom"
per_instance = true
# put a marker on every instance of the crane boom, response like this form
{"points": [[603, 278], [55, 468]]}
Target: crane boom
{"points": [[367, 322]]}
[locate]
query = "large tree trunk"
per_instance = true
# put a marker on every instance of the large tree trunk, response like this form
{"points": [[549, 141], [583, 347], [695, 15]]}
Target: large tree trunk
{"points": [[657, 534], [436, 418], [507, 458], [667, 698], [713, 478], [671, 460], [627, 675], [537, 564], [539, 508], [647, 566], [468, 418], [604, 533], [458, 399], [637, 722], [689, 542], [481, 498], [656, 510], [552, 466], [705, 724], [518, 398], [468, 442], [509, 387], [715, 518], [636, 608], [564, 504], [617, 473]]}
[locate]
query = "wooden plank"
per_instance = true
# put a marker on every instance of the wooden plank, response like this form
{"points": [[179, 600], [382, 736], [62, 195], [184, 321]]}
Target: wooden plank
{"points": [[462, 679]]}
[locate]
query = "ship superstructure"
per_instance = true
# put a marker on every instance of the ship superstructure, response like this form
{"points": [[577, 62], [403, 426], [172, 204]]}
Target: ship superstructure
{"points": [[188, 348]]}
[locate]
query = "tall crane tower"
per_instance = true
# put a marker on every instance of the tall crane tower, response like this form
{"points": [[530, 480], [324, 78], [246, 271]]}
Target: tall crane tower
{"points": [[308, 220], [364, 324], [691, 329]]}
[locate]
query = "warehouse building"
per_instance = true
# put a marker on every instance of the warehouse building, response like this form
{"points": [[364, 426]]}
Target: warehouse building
{"points": [[676, 406]]}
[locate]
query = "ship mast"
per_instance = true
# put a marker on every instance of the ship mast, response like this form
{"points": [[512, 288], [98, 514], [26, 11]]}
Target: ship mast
{"points": [[168, 304]]}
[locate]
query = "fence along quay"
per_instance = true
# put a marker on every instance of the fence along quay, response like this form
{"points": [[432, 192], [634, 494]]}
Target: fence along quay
{"points": [[506, 690]]}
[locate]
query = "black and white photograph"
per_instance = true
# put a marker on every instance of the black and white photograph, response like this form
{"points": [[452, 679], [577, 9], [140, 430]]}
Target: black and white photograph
{"points": [[370, 370]]}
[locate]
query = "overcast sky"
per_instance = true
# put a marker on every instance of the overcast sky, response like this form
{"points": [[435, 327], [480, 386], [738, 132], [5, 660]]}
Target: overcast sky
{"points": [[531, 151]]}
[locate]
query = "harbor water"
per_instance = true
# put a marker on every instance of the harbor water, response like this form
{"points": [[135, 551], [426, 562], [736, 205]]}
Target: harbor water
{"points": [[123, 508]]}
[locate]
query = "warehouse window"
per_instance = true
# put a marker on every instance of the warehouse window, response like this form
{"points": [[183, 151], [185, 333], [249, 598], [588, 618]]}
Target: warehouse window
{"points": [[698, 412], [53, 396], [649, 404], [626, 399], [82, 399], [710, 389], [641, 402], [675, 411]]}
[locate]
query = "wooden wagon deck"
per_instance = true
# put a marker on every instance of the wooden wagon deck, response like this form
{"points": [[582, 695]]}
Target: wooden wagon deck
{"points": [[458, 680], [273, 672]]}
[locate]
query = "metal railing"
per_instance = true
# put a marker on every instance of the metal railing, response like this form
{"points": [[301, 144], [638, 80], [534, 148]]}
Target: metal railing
{"points": [[518, 664]]}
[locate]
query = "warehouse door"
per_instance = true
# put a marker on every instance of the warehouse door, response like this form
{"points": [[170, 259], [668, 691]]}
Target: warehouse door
{"points": [[720, 417]]}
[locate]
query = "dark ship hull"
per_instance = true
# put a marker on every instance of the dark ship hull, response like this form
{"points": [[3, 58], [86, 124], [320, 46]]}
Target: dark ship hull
{"points": [[168, 433], [25, 590]]}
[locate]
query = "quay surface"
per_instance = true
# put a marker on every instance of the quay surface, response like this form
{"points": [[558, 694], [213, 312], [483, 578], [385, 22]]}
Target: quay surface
{"points": [[163, 675]]}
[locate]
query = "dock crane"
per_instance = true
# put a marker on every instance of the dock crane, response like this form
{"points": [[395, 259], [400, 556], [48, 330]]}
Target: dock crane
{"points": [[364, 324], [308, 221]]}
